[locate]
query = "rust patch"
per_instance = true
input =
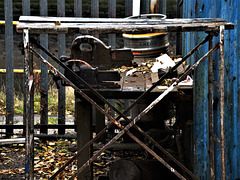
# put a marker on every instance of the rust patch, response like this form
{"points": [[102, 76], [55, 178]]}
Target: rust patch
{"points": [[196, 7]]}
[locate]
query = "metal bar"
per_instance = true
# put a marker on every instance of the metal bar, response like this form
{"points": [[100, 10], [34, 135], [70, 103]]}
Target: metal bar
{"points": [[44, 73], [9, 63], [61, 51], [210, 111], [221, 102], [108, 116], [134, 103], [29, 165]]}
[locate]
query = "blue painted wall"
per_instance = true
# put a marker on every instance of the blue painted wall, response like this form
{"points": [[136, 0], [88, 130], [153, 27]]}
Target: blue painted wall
{"points": [[229, 11]]}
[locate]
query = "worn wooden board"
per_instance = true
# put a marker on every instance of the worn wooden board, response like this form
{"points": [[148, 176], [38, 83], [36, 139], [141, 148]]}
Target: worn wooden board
{"points": [[56, 25]]}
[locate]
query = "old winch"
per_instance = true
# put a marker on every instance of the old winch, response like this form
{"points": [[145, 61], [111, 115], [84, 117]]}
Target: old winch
{"points": [[91, 60]]}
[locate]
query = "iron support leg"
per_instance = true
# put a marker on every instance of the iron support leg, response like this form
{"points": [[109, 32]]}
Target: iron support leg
{"points": [[28, 84], [221, 102], [210, 111]]}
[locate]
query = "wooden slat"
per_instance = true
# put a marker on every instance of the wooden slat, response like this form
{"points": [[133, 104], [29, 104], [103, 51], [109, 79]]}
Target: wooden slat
{"points": [[91, 28], [32, 19], [112, 14], [44, 72], [128, 8], [95, 8], [78, 8], [9, 63], [61, 51]]}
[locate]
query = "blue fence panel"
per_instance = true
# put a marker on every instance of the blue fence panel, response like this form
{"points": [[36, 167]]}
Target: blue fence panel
{"points": [[227, 10]]}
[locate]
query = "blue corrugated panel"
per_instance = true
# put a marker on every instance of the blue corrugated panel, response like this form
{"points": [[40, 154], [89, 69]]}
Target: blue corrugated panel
{"points": [[228, 10]]}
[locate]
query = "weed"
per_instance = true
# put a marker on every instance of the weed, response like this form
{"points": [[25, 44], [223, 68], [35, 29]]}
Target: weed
{"points": [[52, 101], [53, 120]]}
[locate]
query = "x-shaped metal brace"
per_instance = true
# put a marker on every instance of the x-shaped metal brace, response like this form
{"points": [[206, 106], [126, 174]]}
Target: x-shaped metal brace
{"points": [[135, 120]]}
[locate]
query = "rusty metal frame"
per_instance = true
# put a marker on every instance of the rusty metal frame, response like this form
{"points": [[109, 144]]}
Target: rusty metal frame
{"points": [[220, 87], [137, 118], [206, 39], [221, 102], [29, 120]]}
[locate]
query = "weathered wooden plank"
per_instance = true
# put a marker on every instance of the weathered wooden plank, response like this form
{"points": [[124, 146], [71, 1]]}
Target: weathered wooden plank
{"points": [[61, 51], [112, 14], [145, 7], [26, 7], [32, 19], [91, 28], [95, 8], [44, 72], [84, 129], [78, 8], [128, 8], [9, 63]]}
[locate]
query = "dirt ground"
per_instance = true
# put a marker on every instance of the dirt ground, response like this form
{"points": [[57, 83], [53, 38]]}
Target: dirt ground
{"points": [[51, 155], [12, 163]]}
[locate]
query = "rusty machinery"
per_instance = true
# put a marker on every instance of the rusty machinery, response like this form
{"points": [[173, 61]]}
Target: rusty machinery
{"points": [[76, 80]]}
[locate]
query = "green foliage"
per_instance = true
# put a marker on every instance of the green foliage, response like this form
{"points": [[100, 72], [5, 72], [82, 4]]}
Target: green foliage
{"points": [[52, 102], [52, 120]]}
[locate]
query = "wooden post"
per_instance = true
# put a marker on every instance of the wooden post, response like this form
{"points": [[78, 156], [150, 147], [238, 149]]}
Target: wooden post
{"points": [[29, 146], [84, 134], [78, 8], [26, 12], [112, 14], [128, 8], [61, 51], [44, 72], [9, 64]]}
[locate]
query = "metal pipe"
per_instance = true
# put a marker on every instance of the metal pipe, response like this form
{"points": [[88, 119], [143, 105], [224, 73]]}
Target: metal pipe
{"points": [[221, 102]]}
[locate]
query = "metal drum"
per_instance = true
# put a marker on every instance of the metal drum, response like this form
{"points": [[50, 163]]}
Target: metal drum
{"points": [[149, 44]]}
